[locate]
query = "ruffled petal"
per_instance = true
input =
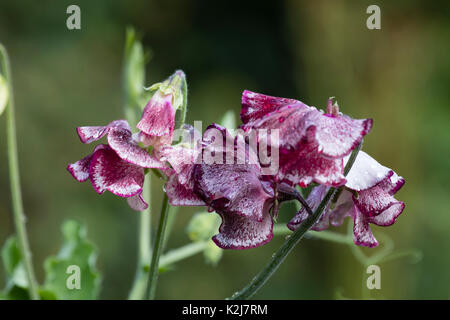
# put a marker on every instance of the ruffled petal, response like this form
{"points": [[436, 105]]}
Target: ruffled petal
{"points": [[109, 172], [181, 195], [366, 172], [90, 134], [306, 166], [232, 188], [342, 209], [155, 141], [392, 184], [122, 142], [80, 169], [256, 105], [388, 216], [181, 159], [362, 234], [158, 118], [373, 201], [238, 232], [336, 136], [226, 182], [137, 202]]}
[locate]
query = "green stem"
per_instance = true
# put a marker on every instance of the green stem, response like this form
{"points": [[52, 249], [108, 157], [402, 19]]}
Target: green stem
{"points": [[283, 230], [139, 287], [194, 248], [17, 205], [182, 253], [157, 249], [173, 211], [280, 255]]}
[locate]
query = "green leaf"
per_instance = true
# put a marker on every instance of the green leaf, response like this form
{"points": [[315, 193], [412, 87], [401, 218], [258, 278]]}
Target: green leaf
{"points": [[4, 94], [212, 253], [228, 120], [16, 280], [203, 226], [76, 254]]}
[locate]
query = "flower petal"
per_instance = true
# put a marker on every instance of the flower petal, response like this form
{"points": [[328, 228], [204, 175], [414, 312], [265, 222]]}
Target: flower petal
{"points": [[343, 209], [90, 134], [256, 105], [373, 201], [392, 184], [306, 166], [181, 195], [238, 232], [137, 202], [80, 169], [362, 235], [366, 172], [181, 159], [122, 142], [109, 172], [233, 189], [338, 135], [158, 118], [388, 216]]}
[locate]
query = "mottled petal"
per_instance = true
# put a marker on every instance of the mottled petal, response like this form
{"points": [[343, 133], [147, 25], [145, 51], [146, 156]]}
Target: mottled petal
{"points": [[137, 202], [256, 105], [336, 136], [90, 134], [306, 166], [232, 188], [362, 234], [80, 169], [122, 142], [181, 195], [109, 172], [342, 209], [238, 232], [155, 141], [388, 216], [158, 118], [181, 159], [366, 172], [373, 201], [392, 184]]}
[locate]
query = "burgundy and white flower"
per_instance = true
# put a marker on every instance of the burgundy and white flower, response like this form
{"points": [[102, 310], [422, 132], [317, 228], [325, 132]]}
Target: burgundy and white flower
{"points": [[234, 190], [312, 144], [368, 197], [158, 118], [118, 166]]}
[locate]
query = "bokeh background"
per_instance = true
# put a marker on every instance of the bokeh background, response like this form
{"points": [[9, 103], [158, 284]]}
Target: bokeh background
{"points": [[308, 50]]}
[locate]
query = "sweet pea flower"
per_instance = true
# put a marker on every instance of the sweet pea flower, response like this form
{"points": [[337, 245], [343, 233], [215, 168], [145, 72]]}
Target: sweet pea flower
{"points": [[312, 144], [117, 166], [236, 190], [367, 197], [158, 118]]}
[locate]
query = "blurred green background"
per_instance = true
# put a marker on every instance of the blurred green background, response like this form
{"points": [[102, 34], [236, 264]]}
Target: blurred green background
{"points": [[308, 50]]}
